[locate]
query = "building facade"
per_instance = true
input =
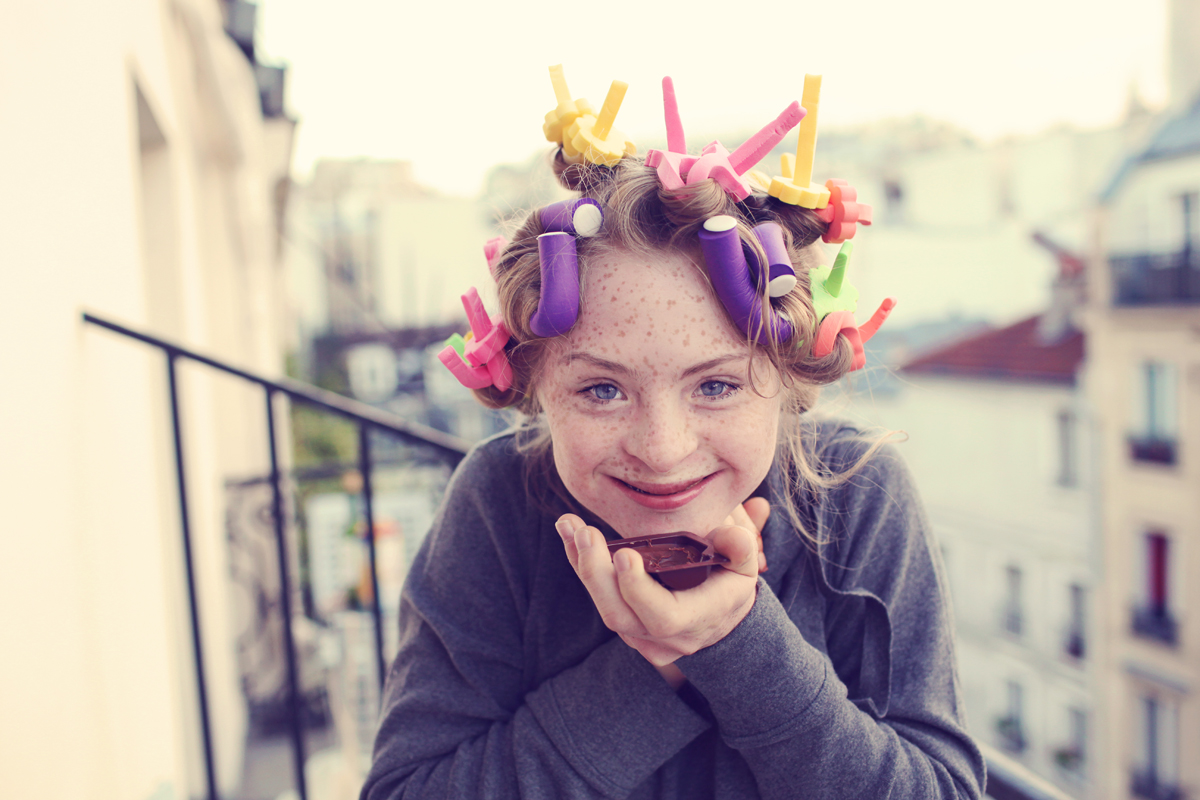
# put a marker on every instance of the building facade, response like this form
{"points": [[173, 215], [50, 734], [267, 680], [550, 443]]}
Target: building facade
{"points": [[1143, 325], [145, 157]]}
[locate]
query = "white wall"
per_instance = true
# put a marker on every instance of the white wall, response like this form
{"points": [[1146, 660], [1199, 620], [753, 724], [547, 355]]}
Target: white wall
{"points": [[96, 693], [985, 460]]}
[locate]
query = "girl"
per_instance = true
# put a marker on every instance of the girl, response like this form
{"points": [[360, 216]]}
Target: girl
{"points": [[666, 391]]}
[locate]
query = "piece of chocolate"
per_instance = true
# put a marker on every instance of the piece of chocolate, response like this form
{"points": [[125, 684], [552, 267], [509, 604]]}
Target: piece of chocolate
{"points": [[676, 560]]}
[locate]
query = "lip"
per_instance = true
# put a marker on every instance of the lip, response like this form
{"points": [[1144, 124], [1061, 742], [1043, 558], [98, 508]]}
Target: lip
{"points": [[663, 496]]}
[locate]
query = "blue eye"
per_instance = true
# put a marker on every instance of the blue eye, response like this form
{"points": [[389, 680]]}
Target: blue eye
{"points": [[716, 388], [604, 391]]}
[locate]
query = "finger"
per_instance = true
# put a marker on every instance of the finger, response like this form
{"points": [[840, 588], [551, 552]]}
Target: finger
{"points": [[758, 509], [740, 546], [654, 604], [566, 526], [599, 576]]}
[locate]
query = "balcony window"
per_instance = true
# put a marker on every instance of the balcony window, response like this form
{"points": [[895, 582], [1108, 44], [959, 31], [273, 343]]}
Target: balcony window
{"points": [[1011, 617], [1010, 728], [1156, 769], [1067, 446], [1156, 414], [1071, 756], [1162, 278], [1075, 642], [1152, 617]]}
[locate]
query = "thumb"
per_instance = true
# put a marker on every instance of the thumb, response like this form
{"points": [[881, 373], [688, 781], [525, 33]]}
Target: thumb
{"points": [[740, 546], [758, 509]]}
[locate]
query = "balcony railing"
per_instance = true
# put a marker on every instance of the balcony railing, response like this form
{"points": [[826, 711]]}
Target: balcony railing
{"points": [[1007, 779], [1012, 734], [368, 420], [1153, 449], [1155, 623], [1148, 785], [1074, 644], [1156, 278]]}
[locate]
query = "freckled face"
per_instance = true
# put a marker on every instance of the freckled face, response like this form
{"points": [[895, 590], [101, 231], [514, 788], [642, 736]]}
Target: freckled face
{"points": [[655, 427]]}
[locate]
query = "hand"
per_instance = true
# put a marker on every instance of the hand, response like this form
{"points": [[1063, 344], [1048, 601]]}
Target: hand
{"points": [[660, 624]]}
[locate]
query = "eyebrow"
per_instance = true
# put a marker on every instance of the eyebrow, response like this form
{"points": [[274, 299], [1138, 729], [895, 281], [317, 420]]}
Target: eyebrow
{"points": [[616, 367]]}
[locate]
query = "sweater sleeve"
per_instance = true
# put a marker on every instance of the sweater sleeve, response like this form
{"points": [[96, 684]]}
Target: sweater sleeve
{"points": [[461, 716], [880, 715]]}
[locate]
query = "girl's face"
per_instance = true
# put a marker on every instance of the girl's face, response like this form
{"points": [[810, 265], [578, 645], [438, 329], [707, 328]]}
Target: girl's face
{"points": [[654, 425]]}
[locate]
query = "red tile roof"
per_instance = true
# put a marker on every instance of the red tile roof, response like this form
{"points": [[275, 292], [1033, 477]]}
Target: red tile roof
{"points": [[1014, 353]]}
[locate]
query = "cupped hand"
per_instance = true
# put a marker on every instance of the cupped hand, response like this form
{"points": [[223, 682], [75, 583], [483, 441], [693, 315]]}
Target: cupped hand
{"points": [[660, 624]]}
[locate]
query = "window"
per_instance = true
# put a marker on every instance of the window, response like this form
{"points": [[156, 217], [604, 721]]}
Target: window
{"points": [[1190, 206], [1010, 727], [1011, 617], [1067, 444], [1076, 642], [1072, 755], [1156, 414], [1152, 617], [1156, 766]]}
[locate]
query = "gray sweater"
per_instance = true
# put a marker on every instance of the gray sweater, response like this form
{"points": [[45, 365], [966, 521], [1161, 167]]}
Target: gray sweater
{"points": [[839, 683]]}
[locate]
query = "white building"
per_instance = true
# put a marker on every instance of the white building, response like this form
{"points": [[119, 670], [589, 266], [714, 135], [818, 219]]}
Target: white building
{"points": [[1144, 336], [138, 181], [997, 442]]}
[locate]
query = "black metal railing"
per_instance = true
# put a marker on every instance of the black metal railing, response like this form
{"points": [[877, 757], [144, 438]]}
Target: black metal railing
{"points": [[368, 419], [1007, 780], [1153, 449], [1148, 785], [1143, 279], [1155, 622]]}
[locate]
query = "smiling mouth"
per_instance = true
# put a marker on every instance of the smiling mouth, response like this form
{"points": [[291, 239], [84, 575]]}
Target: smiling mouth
{"points": [[663, 490]]}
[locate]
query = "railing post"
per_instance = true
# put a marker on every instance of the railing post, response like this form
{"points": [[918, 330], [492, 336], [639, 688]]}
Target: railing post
{"points": [[364, 468], [194, 607], [285, 591]]}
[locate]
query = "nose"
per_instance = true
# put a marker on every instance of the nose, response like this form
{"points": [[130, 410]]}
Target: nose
{"points": [[662, 436]]}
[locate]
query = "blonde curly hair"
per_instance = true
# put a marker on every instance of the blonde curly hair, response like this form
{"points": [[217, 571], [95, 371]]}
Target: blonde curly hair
{"points": [[640, 216]]}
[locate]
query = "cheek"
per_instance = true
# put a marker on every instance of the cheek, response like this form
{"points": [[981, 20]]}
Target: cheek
{"points": [[581, 441], [748, 440]]}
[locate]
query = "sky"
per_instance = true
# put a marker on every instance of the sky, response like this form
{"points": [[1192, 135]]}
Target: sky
{"points": [[458, 87]]}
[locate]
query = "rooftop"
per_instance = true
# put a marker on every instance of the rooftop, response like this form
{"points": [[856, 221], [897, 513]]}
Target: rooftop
{"points": [[1015, 353], [1178, 136]]}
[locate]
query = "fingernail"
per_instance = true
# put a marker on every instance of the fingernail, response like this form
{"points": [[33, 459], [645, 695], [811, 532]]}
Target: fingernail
{"points": [[762, 562], [583, 538], [621, 561], [565, 527]]}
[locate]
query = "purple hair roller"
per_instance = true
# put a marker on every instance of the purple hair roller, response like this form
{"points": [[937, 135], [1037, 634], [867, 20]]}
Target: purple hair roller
{"points": [[730, 276], [581, 217], [559, 305], [781, 275]]}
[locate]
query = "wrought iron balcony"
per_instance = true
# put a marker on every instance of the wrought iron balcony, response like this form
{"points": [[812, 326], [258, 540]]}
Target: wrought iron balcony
{"points": [[1074, 644], [1156, 623], [1144, 279], [1153, 449], [1007, 778], [369, 421], [1012, 734], [1148, 785]]}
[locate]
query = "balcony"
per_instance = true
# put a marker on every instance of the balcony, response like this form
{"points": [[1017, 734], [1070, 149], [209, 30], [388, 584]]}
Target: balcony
{"points": [[1074, 644], [1012, 736], [1148, 785], [1153, 449], [1155, 623], [1146, 279]]}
